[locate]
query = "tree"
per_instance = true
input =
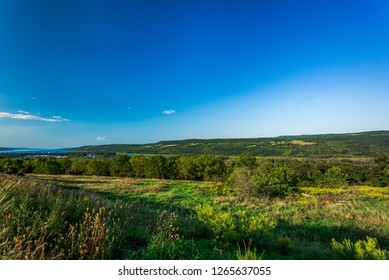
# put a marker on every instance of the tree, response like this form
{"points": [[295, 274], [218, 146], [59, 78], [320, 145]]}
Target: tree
{"points": [[278, 181], [187, 168], [246, 160], [138, 166], [155, 167], [210, 168], [47, 166], [334, 177], [12, 166], [98, 167], [78, 166], [120, 166]]}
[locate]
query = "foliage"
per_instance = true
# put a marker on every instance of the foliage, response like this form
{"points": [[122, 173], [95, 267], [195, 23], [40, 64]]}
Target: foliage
{"points": [[366, 144], [249, 252], [220, 188], [42, 222], [246, 160], [272, 182], [166, 242], [241, 182], [284, 244], [275, 182], [245, 174], [334, 177], [41, 216], [235, 226], [367, 249]]}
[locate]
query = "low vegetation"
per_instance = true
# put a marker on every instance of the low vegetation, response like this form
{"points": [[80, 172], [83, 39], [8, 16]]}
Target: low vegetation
{"points": [[260, 175], [95, 217]]}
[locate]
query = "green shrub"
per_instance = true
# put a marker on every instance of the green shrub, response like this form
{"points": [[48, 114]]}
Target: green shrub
{"points": [[271, 181], [284, 244], [221, 189], [334, 177], [246, 160], [360, 250], [276, 182], [241, 182], [235, 226]]}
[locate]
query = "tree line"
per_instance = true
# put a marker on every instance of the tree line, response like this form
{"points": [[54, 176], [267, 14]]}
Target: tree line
{"points": [[246, 173], [210, 168]]}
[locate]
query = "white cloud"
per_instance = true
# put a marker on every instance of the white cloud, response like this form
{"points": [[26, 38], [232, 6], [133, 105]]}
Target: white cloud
{"points": [[23, 115], [23, 112], [101, 138], [169, 112]]}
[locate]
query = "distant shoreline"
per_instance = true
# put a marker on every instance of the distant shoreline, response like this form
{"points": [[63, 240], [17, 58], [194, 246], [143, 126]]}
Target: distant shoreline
{"points": [[31, 150]]}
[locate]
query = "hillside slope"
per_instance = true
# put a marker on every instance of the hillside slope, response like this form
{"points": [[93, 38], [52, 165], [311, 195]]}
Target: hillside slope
{"points": [[364, 144]]}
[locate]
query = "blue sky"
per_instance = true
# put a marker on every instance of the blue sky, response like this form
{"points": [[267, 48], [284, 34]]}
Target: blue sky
{"points": [[82, 72]]}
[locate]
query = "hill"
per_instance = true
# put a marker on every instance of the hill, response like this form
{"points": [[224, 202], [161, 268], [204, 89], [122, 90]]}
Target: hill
{"points": [[363, 144]]}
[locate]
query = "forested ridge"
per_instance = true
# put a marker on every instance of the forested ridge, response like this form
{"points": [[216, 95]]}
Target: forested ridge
{"points": [[364, 144]]}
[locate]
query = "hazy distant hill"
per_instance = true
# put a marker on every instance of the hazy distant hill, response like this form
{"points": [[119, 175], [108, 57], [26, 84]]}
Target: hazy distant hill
{"points": [[364, 144], [5, 149]]}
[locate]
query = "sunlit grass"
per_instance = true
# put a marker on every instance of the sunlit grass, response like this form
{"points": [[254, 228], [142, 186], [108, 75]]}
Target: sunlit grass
{"points": [[91, 217]]}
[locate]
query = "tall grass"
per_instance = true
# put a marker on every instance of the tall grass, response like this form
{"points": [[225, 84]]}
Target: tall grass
{"points": [[78, 217], [40, 221]]}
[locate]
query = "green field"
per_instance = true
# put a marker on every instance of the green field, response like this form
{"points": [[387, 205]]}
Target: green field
{"points": [[94, 217]]}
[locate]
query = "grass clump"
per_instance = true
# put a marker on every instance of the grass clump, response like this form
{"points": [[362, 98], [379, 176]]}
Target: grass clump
{"points": [[41, 221], [367, 249], [249, 253]]}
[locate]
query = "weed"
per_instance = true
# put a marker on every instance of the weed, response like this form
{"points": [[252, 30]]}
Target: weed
{"points": [[235, 226], [248, 254], [367, 249]]}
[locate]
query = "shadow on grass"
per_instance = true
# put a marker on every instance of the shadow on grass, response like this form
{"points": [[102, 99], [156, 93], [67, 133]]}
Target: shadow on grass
{"points": [[64, 182], [309, 240], [314, 241]]}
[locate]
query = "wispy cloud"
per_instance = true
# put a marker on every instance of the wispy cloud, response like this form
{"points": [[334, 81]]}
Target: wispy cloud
{"points": [[169, 112], [101, 138], [23, 112], [24, 115]]}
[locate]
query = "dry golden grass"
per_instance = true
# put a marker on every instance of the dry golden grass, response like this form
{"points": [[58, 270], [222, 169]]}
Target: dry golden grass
{"points": [[170, 145], [301, 142]]}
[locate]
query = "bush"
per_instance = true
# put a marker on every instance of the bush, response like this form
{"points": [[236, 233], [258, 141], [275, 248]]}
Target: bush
{"points": [[360, 250], [236, 226], [284, 244], [334, 177], [246, 160], [221, 189], [275, 182], [241, 182]]}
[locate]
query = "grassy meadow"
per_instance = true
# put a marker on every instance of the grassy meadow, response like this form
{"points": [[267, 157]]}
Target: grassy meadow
{"points": [[96, 217]]}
